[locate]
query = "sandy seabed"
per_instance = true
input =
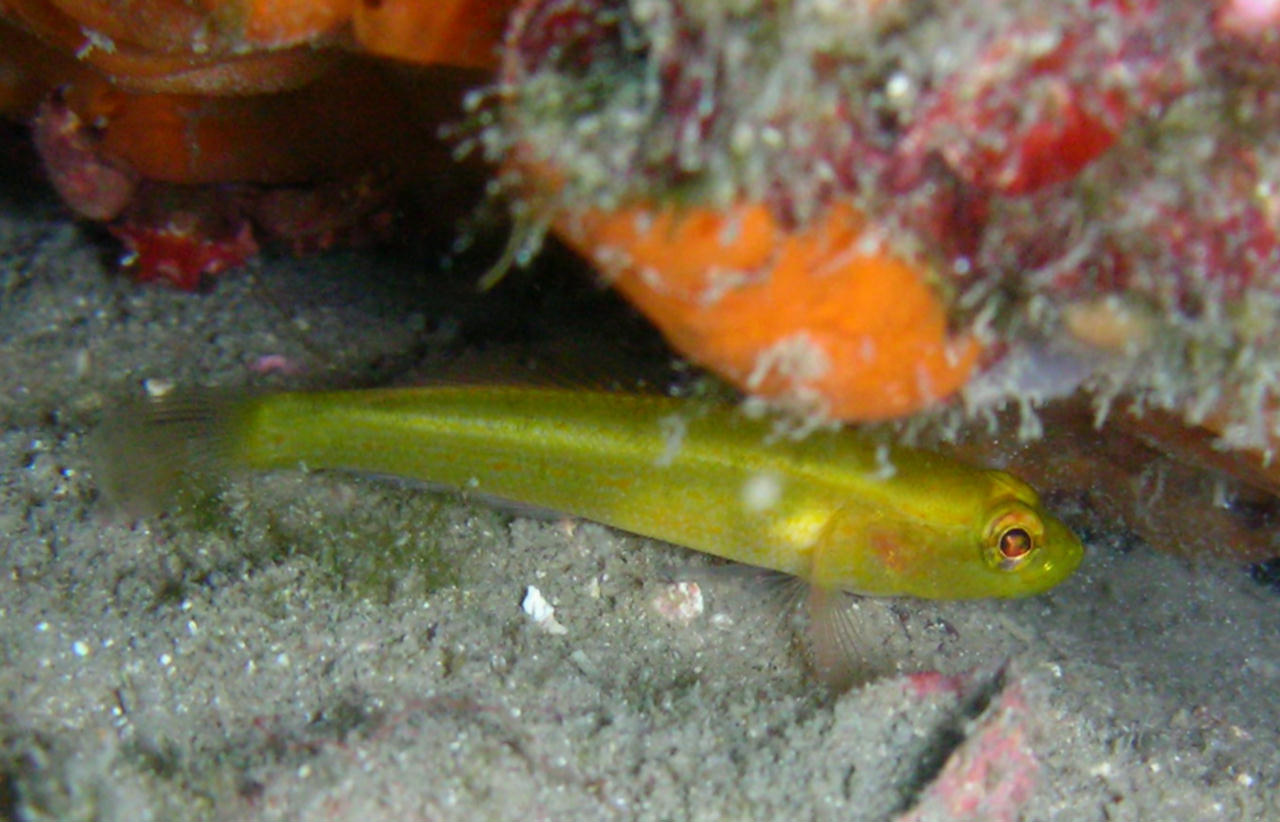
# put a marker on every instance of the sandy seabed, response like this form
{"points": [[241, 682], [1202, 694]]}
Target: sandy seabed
{"points": [[262, 660]]}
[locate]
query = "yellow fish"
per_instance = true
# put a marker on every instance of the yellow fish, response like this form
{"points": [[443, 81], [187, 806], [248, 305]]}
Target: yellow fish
{"points": [[835, 508]]}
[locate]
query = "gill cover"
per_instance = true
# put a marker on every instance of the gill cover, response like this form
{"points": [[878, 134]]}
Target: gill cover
{"points": [[866, 549]]}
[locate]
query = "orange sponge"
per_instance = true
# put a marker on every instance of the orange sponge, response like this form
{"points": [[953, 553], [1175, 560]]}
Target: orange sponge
{"points": [[821, 316]]}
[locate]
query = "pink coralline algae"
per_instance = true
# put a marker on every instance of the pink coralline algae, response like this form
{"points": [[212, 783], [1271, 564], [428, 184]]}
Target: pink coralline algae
{"points": [[991, 776], [91, 185], [182, 250], [185, 235], [1041, 102]]}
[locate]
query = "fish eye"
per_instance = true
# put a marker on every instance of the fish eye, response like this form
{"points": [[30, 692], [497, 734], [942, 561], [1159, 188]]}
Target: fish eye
{"points": [[1013, 537], [1014, 545]]}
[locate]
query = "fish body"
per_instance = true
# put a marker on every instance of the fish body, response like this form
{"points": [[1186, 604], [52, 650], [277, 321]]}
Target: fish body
{"points": [[835, 508]]}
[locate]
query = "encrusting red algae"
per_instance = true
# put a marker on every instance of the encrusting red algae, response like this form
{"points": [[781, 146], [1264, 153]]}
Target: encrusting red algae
{"points": [[1091, 181]]}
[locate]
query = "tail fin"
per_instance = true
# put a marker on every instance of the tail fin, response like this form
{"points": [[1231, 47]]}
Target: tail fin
{"points": [[153, 455]]}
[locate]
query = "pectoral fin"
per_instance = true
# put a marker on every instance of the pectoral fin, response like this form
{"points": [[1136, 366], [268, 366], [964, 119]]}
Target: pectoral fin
{"points": [[850, 638]]}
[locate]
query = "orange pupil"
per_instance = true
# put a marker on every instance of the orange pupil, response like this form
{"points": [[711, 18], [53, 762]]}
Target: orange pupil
{"points": [[1015, 543]]}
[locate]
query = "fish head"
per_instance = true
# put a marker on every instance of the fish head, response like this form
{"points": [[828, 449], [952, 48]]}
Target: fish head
{"points": [[991, 539], [1024, 550]]}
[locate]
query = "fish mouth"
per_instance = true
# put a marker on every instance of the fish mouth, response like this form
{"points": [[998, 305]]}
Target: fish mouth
{"points": [[1064, 555], [1071, 558]]}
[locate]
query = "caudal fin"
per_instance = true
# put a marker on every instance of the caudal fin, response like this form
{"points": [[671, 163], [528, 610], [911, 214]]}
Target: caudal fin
{"points": [[153, 455]]}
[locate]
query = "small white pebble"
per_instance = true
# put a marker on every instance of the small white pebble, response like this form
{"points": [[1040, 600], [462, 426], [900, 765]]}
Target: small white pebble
{"points": [[157, 387], [541, 612], [82, 362], [80, 648], [680, 602], [900, 90]]}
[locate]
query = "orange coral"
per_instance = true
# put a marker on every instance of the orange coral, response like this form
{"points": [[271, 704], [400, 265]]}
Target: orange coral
{"points": [[276, 23], [236, 90], [450, 32], [132, 101], [819, 316]]}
